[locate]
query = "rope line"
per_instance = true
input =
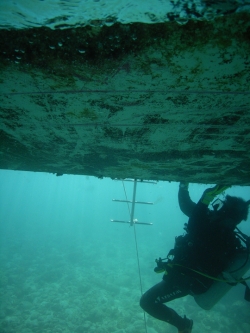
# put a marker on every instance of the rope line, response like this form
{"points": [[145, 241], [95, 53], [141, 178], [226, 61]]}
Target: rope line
{"points": [[138, 260], [139, 272]]}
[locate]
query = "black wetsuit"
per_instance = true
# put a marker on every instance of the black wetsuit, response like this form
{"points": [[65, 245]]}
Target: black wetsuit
{"points": [[209, 250]]}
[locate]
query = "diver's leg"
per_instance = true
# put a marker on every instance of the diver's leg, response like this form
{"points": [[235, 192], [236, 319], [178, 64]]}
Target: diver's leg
{"points": [[152, 303]]}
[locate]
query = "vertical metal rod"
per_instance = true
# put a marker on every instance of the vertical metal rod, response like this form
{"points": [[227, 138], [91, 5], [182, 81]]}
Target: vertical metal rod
{"points": [[133, 204]]}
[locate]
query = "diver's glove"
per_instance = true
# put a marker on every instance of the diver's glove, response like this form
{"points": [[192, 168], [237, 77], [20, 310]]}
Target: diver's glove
{"points": [[184, 185], [210, 193]]}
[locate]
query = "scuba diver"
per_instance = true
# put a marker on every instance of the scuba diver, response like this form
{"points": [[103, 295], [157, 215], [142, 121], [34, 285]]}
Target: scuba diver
{"points": [[201, 255]]}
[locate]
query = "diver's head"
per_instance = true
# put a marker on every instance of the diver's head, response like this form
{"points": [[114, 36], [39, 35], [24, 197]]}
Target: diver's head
{"points": [[232, 210]]}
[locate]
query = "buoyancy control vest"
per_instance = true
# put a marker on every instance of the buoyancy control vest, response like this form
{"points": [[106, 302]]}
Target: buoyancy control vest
{"points": [[216, 285]]}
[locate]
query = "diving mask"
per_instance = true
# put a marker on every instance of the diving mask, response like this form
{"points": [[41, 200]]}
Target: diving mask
{"points": [[217, 205]]}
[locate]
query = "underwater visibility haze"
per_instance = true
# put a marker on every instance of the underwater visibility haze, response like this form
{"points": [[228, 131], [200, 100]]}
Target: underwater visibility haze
{"points": [[65, 267], [76, 103]]}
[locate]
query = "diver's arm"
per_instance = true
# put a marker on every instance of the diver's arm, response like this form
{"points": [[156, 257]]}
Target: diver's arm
{"points": [[186, 204]]}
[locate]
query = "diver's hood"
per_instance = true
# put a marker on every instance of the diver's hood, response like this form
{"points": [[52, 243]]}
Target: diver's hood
{"points": [[233, 208]]}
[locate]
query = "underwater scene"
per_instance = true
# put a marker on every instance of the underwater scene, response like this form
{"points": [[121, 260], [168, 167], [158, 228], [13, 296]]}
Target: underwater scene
{"points": [[66, 268], [93, 92]]}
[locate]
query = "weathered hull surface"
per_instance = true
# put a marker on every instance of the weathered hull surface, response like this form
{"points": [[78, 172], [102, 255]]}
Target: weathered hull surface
{"points": [[164, 102]]}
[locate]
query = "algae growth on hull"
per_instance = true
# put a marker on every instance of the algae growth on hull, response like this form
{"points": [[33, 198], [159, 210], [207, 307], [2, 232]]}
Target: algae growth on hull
{"points": [[162, 101]]}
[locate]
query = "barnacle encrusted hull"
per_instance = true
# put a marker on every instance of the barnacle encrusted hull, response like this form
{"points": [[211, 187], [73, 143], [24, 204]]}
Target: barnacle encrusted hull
{"points": [[162, 101]]}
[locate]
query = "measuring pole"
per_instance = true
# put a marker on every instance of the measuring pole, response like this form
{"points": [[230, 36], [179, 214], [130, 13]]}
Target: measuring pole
{"points": [[133, 203]]}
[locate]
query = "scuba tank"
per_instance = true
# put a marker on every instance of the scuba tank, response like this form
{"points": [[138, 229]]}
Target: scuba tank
{"points": [[232, 275], [239, 265]]}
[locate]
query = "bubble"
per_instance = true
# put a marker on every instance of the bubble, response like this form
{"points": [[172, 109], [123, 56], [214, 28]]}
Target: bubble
{"points": [[209, 14], [152, 17], [182, 20], [109, 21]]}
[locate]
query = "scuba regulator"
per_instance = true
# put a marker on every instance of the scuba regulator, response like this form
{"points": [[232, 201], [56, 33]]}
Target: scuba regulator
{"points": [[162, 266]]}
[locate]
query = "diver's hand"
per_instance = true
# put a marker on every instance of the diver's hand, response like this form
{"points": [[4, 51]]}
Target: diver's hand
{"points": [[210, 193], [184, 185]]}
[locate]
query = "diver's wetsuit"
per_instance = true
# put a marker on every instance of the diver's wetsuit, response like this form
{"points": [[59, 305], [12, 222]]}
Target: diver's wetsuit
{"points": [[173, 285], [181, 281], [170, 288]]}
